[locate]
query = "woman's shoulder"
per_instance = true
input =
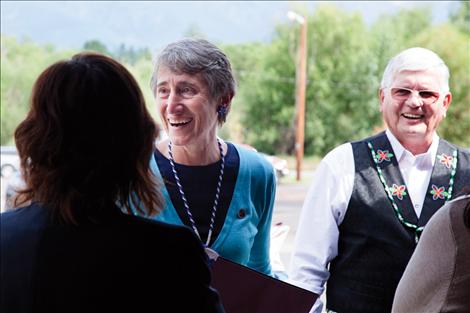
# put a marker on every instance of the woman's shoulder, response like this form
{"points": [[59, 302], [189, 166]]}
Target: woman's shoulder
{"points": [[155, 227], [450, 210], [459, 202], [457, 212], [27, 216], [448, 217]]}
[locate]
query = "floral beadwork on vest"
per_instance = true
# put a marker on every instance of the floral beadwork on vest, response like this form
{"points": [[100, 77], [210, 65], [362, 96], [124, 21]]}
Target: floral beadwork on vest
{"points": [[451, 163], [445, 159], [398, 190], [438, 192], [383, 155]]}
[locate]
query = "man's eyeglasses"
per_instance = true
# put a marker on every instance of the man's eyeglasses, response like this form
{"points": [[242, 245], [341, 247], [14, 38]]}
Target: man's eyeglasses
{"points": [[402, 94]]}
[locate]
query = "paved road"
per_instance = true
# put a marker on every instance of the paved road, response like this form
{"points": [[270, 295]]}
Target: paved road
{"points": [[287, 207]]}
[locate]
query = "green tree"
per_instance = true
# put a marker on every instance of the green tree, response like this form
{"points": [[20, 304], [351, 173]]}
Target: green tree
{"points": [[266, 96], [142, 71], [341, 86], [21, 63], [393, 33], [455, 51], [131, 55], [95, 45], [341, 98], [245, 60], [460, 16], [346, 60]]}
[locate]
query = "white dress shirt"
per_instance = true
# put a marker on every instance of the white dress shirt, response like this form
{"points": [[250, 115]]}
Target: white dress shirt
{"points": [[324, 208]]}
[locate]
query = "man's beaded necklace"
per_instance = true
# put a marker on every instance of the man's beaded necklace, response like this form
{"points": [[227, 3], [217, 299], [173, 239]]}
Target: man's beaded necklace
{"points": [[183, 197], [417, 229]]}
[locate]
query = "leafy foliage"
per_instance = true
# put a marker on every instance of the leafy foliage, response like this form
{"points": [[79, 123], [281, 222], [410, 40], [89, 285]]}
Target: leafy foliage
{"points": [[95, 45], [21, 63], [345, 62], [460, 17], [455, 50]]}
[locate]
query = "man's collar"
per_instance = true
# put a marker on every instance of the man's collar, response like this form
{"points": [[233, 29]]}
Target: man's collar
{"points": [[400, 150]]}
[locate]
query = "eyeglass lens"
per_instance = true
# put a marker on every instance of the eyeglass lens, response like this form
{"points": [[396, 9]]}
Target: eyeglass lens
{"points": [[427, 96]]}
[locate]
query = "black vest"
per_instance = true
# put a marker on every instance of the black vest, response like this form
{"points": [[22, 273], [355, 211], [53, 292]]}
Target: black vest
{"points": [[374, 247]]}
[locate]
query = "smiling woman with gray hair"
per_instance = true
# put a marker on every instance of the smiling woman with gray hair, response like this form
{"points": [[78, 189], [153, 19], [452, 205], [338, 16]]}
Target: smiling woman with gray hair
{"points": [[223, 192]]}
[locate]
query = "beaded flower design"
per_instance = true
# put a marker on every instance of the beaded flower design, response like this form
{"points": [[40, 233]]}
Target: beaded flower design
{"points": [[398, 191], [439, 192], [445, 159], [383, 155]]}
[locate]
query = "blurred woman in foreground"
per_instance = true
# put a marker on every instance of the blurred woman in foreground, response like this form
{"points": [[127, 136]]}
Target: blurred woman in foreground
{"points": [[444, 253], [84, 148]]}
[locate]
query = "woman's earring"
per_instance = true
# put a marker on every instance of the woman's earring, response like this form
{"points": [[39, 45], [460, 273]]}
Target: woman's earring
{"points": [[222, 112]]}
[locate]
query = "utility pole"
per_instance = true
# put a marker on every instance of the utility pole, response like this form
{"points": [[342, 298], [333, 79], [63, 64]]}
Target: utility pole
{"points": [[301, 82]]}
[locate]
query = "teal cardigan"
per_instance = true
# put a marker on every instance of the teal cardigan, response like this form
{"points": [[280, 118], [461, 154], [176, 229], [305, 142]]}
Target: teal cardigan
{"points": [[244, 238]]}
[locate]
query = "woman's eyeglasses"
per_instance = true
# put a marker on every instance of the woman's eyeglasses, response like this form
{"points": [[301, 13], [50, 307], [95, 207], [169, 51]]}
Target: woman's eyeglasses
{"points": [[427, 96]]}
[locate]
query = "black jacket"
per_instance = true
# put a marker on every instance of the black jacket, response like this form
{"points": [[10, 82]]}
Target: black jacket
{"points": [[122, 264]]}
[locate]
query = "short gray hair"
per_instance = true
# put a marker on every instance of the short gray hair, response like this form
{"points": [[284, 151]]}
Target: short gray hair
{"points": [[198, 56], [415, 59]]}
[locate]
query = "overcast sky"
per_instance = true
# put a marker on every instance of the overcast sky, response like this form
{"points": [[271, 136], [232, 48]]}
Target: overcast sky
{"points": [[154, 24]]}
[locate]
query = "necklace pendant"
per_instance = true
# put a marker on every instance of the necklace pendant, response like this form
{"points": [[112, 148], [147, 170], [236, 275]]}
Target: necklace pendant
{"points": [[211, 254]]}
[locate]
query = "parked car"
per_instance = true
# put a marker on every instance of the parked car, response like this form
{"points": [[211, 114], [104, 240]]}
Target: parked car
{"points": [[280, 165], [10, 161], [13, 183], [11, 177]]}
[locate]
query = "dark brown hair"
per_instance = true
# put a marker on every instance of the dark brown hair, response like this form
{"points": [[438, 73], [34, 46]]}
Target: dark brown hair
{"points": [[86, 142]]}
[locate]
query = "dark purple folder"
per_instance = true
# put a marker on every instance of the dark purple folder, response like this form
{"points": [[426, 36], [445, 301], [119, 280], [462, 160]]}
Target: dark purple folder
{"points": [[244, 290]]}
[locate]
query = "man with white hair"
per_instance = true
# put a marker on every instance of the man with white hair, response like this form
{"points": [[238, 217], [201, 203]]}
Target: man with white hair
{"points": [[371, 199]]}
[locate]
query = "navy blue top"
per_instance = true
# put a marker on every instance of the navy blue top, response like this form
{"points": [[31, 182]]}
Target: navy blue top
{"points": [[199, 186], [53, 267]]}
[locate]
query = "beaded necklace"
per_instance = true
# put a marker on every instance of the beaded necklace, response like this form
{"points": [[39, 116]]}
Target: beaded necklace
{"points": [[417, 229], [183, 197]]}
